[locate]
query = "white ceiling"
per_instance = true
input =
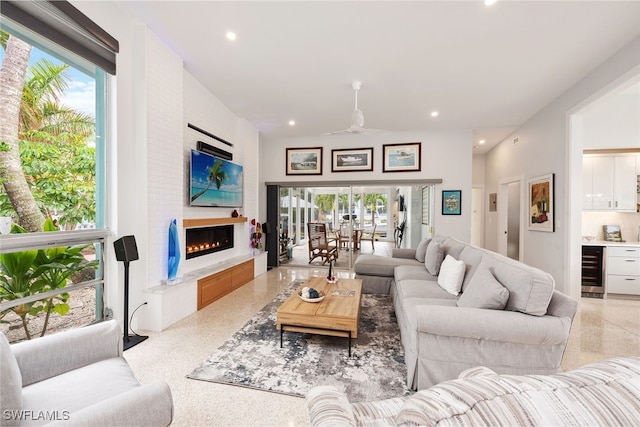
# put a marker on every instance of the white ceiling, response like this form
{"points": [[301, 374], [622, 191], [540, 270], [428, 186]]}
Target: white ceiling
{"points": [[488, 69]]}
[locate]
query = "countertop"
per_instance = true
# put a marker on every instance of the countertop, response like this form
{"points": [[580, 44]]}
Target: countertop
{"points": [[608, 243]]}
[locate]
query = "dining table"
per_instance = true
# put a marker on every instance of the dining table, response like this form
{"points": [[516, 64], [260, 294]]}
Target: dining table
{"points": [[357, 233]]}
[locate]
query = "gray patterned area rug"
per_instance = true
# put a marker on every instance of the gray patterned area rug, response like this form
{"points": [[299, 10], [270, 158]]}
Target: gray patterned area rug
{"points": [[253, 357]]}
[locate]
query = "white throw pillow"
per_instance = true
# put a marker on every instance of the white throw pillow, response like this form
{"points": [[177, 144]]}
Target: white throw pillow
{"points": [[451, 275]]}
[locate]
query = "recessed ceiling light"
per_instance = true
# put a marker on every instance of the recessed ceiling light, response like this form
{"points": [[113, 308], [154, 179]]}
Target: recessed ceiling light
{"points": [[489, 2], [482, 141], [292, 122], [434, 114], [231, 35]]}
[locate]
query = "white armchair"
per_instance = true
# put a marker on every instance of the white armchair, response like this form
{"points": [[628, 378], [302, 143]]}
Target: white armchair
{"points": [[77, 377]]}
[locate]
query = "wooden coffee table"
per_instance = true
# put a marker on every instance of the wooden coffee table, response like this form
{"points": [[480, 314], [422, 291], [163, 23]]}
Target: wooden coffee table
{"points": [[336, 315]]}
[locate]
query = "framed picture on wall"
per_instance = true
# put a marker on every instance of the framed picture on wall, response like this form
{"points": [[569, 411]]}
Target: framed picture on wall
{"points": [[352, 159], [304, 161], [541, 203], [401, 157], [451, 202]]}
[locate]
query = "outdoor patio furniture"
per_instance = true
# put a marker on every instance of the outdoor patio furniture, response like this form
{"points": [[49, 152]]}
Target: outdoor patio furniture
{"points": [[321, 246], [285, 241], [369, 236], [343, 238]]}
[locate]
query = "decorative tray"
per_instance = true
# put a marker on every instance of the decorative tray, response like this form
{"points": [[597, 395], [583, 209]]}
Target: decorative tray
{"points": [[320, 298]]}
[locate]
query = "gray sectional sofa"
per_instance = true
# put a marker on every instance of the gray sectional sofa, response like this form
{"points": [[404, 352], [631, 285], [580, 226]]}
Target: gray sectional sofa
{"points": [[459, 306]]}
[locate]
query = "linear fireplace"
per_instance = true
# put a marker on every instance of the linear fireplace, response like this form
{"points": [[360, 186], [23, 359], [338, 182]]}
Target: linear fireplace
{"points": [[207, 240]]}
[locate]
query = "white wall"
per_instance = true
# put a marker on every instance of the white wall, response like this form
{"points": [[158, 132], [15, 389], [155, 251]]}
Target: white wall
{"points": [[614, 121], [155, 98], [478, 165], [545, 147], [445, 154]]}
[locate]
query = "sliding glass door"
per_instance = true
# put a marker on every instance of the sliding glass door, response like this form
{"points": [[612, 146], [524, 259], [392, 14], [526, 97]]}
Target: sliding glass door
{"points": [[366, 219]]}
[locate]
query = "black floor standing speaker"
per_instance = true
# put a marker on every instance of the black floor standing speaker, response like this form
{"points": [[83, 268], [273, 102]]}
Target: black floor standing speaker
{"points": [[127, 251]]}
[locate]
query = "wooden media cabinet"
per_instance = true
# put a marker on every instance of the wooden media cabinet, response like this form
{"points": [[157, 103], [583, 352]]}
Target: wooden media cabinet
{"points": [[215, 286]]}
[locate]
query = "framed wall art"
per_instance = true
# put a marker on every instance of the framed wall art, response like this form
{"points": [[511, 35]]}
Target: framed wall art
{"points": [[401, 157], [352, 159], [451, 202], [541, 203], [304, 161]]}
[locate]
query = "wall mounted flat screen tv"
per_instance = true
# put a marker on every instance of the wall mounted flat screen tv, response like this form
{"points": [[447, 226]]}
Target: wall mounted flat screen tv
{"points": [[214, 182]]}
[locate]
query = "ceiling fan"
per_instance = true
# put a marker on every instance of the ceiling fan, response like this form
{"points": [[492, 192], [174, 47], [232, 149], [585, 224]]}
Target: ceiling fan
{"points": [[357, 118]]}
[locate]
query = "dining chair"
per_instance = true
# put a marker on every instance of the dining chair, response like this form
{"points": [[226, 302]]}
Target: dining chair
{"points": [[320, 246], [369, 236]]}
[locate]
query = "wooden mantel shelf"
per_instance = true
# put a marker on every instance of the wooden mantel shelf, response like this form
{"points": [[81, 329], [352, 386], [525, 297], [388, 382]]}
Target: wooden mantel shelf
{"points": [[204, 222]]}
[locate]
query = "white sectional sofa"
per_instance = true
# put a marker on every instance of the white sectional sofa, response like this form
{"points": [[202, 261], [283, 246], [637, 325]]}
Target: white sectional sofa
{"points": [[459, 306]]}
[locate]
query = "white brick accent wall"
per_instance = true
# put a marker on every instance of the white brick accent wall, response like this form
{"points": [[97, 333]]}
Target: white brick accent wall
{"points": [[164, 149]]}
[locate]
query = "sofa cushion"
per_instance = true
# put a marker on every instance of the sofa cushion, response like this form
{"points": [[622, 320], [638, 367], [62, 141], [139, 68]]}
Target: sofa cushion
{"points": [[472, 258], [421, 250], [374, 265], [530, 289], [421, 289], [412, 272], [434, 256], [484, 291], [451, 246], [10, 382], [451, 275]]}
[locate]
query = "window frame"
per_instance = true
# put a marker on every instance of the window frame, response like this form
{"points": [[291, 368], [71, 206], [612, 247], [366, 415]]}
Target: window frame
{"points": [[40, 24]]}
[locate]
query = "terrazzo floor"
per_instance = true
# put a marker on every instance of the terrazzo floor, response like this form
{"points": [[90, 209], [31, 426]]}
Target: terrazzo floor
{"points": [[601, 329]]}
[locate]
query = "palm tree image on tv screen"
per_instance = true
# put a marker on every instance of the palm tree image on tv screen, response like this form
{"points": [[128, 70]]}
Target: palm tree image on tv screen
{"points": [[215, 182]]}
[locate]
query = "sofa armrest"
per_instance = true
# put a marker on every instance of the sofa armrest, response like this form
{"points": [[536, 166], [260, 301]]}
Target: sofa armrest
{"points": [[403, 253], [329, 407], [493, 325], [147, 405], [53, 355]]}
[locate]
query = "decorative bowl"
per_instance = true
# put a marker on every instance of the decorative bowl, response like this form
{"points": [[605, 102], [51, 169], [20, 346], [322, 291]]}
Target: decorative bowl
{"points": [[320, 298], [588, 238]]}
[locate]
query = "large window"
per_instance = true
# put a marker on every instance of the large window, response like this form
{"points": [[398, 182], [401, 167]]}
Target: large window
{"points": [[52, 171]]}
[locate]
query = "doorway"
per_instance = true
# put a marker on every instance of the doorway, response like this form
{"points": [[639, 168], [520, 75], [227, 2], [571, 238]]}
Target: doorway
{"points": [[510, 218]]}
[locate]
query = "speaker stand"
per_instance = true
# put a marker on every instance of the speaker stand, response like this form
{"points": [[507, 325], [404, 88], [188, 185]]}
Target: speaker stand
{"points": [[131, 340], [128, 341]]}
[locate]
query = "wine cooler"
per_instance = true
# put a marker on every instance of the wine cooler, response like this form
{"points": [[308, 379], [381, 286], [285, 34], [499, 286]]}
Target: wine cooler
{"points": [[593, 271]]}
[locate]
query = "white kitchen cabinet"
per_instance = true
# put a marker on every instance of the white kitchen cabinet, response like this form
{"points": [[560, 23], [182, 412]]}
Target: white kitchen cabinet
{"points": [[623, 270], [624, 183], [602, 187], [587, 183], [609, 183]]}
